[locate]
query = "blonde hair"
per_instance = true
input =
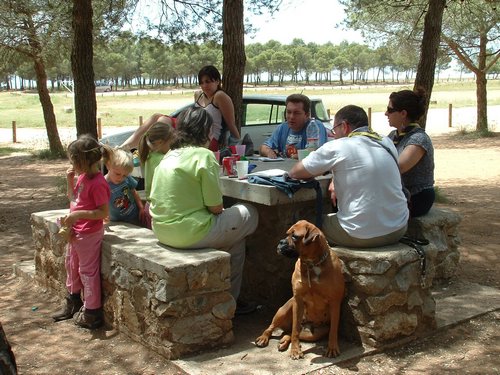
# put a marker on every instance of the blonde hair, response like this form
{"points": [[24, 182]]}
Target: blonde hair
{"points": [[157, 131], [120, 158]]}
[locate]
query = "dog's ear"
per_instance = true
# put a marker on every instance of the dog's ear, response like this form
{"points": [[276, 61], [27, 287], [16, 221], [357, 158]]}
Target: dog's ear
{"points": [[311, 235], [291, 229]]}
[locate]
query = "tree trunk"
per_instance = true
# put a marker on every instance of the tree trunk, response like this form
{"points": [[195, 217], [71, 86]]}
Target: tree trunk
{"points": [[55, 144], [82, 54], [429, 51], [482, 102], [233, 50], [480, 72]]}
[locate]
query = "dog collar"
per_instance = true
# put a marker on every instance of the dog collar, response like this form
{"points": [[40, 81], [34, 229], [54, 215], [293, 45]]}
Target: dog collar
{"points": [[314, 266], [321, 260]]}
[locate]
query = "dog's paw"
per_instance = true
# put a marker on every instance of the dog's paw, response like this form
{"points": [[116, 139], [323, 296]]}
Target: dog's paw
{"points": [[296, 354], [262, 341], [284, 343], [332, 352], [296, 351]]}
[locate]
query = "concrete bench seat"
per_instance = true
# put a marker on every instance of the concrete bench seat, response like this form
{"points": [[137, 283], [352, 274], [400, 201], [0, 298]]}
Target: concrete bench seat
{"points": [[389, 288], [174, 301], [387, 296], [177, 302]]}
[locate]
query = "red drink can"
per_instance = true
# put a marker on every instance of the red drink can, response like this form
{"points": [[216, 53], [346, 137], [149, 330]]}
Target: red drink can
{"points": [[229, 166]]}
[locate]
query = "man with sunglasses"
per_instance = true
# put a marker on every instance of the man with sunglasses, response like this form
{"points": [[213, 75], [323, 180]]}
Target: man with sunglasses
{"points": [[366, 184]]}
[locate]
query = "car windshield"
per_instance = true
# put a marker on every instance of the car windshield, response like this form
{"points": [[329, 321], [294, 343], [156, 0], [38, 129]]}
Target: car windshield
{"points": [[263, 114], [319, 111]]}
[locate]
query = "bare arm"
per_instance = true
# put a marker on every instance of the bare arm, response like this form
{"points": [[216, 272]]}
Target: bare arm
{"points": [[299, 172], [226, 107], [134, 139], [333, 195], [268, 151], [138, 201], [70, 182], [410, 156], [216, 210], [99, 213]]}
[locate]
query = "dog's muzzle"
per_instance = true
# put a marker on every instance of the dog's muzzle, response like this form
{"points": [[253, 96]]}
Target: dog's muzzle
{"points": [[285, 249]]}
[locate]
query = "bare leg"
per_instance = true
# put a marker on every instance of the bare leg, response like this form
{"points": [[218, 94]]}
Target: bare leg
{"points": [[134, 139]]}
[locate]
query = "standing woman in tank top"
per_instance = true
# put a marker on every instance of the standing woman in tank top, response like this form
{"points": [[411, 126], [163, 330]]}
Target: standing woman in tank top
{"points": [[217, 103]]}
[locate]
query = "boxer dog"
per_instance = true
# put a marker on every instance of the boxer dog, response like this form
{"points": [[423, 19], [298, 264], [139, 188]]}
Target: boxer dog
{"points": [[318, 289]]}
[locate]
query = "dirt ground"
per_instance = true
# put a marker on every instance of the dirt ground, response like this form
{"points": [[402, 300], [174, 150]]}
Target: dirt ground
{"points": [[467, 174]]}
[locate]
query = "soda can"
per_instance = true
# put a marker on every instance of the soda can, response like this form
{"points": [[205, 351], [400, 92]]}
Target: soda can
{"points": [[229, 166]]}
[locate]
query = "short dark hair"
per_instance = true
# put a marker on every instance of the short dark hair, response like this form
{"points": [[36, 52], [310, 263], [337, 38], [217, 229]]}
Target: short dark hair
{"points": [[193, 127], [300, 98], [85, 152], [413, 102], [211, 72], [355, 116]]}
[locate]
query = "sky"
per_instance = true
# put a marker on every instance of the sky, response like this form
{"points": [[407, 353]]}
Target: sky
{"points": [[312, 20], [317, 21]]}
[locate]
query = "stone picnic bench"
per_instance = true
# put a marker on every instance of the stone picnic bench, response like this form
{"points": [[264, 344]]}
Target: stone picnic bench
{"points": [[389, 288], [173, 301], [177, 302]]}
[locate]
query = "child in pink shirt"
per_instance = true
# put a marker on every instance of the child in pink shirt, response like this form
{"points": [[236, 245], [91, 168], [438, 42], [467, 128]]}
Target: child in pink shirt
{"points": [[89, 204]]}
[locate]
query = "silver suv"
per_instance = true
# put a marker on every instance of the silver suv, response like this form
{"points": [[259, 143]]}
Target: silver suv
{"points": [[260, 115]]}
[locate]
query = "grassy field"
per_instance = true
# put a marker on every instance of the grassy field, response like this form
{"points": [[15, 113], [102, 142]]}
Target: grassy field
{"points": [[123, 108]]}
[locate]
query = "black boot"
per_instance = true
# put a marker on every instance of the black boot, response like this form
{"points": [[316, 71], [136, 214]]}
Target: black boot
{"points": [[90, 319], [73, 304]]}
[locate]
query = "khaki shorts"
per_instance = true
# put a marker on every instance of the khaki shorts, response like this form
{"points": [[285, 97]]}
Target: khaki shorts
{"points": [[336, 235]]}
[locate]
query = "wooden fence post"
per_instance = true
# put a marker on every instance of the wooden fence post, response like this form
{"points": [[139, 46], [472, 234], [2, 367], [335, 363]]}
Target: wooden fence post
{"points": [[369, 117], [450, 115], [99, 128], [14, 132], [140, 120]]}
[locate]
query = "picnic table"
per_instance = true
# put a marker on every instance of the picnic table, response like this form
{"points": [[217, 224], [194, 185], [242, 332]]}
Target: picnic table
{"points": [[266, 276]]}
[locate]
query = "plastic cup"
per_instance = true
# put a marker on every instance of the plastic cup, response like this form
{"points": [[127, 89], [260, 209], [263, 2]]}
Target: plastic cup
{"points": [[302, 154], [242, 169], [240, 149]]}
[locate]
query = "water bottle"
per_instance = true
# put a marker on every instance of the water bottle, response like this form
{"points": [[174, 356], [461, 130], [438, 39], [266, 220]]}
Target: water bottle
{"points": [[312, 133]]}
